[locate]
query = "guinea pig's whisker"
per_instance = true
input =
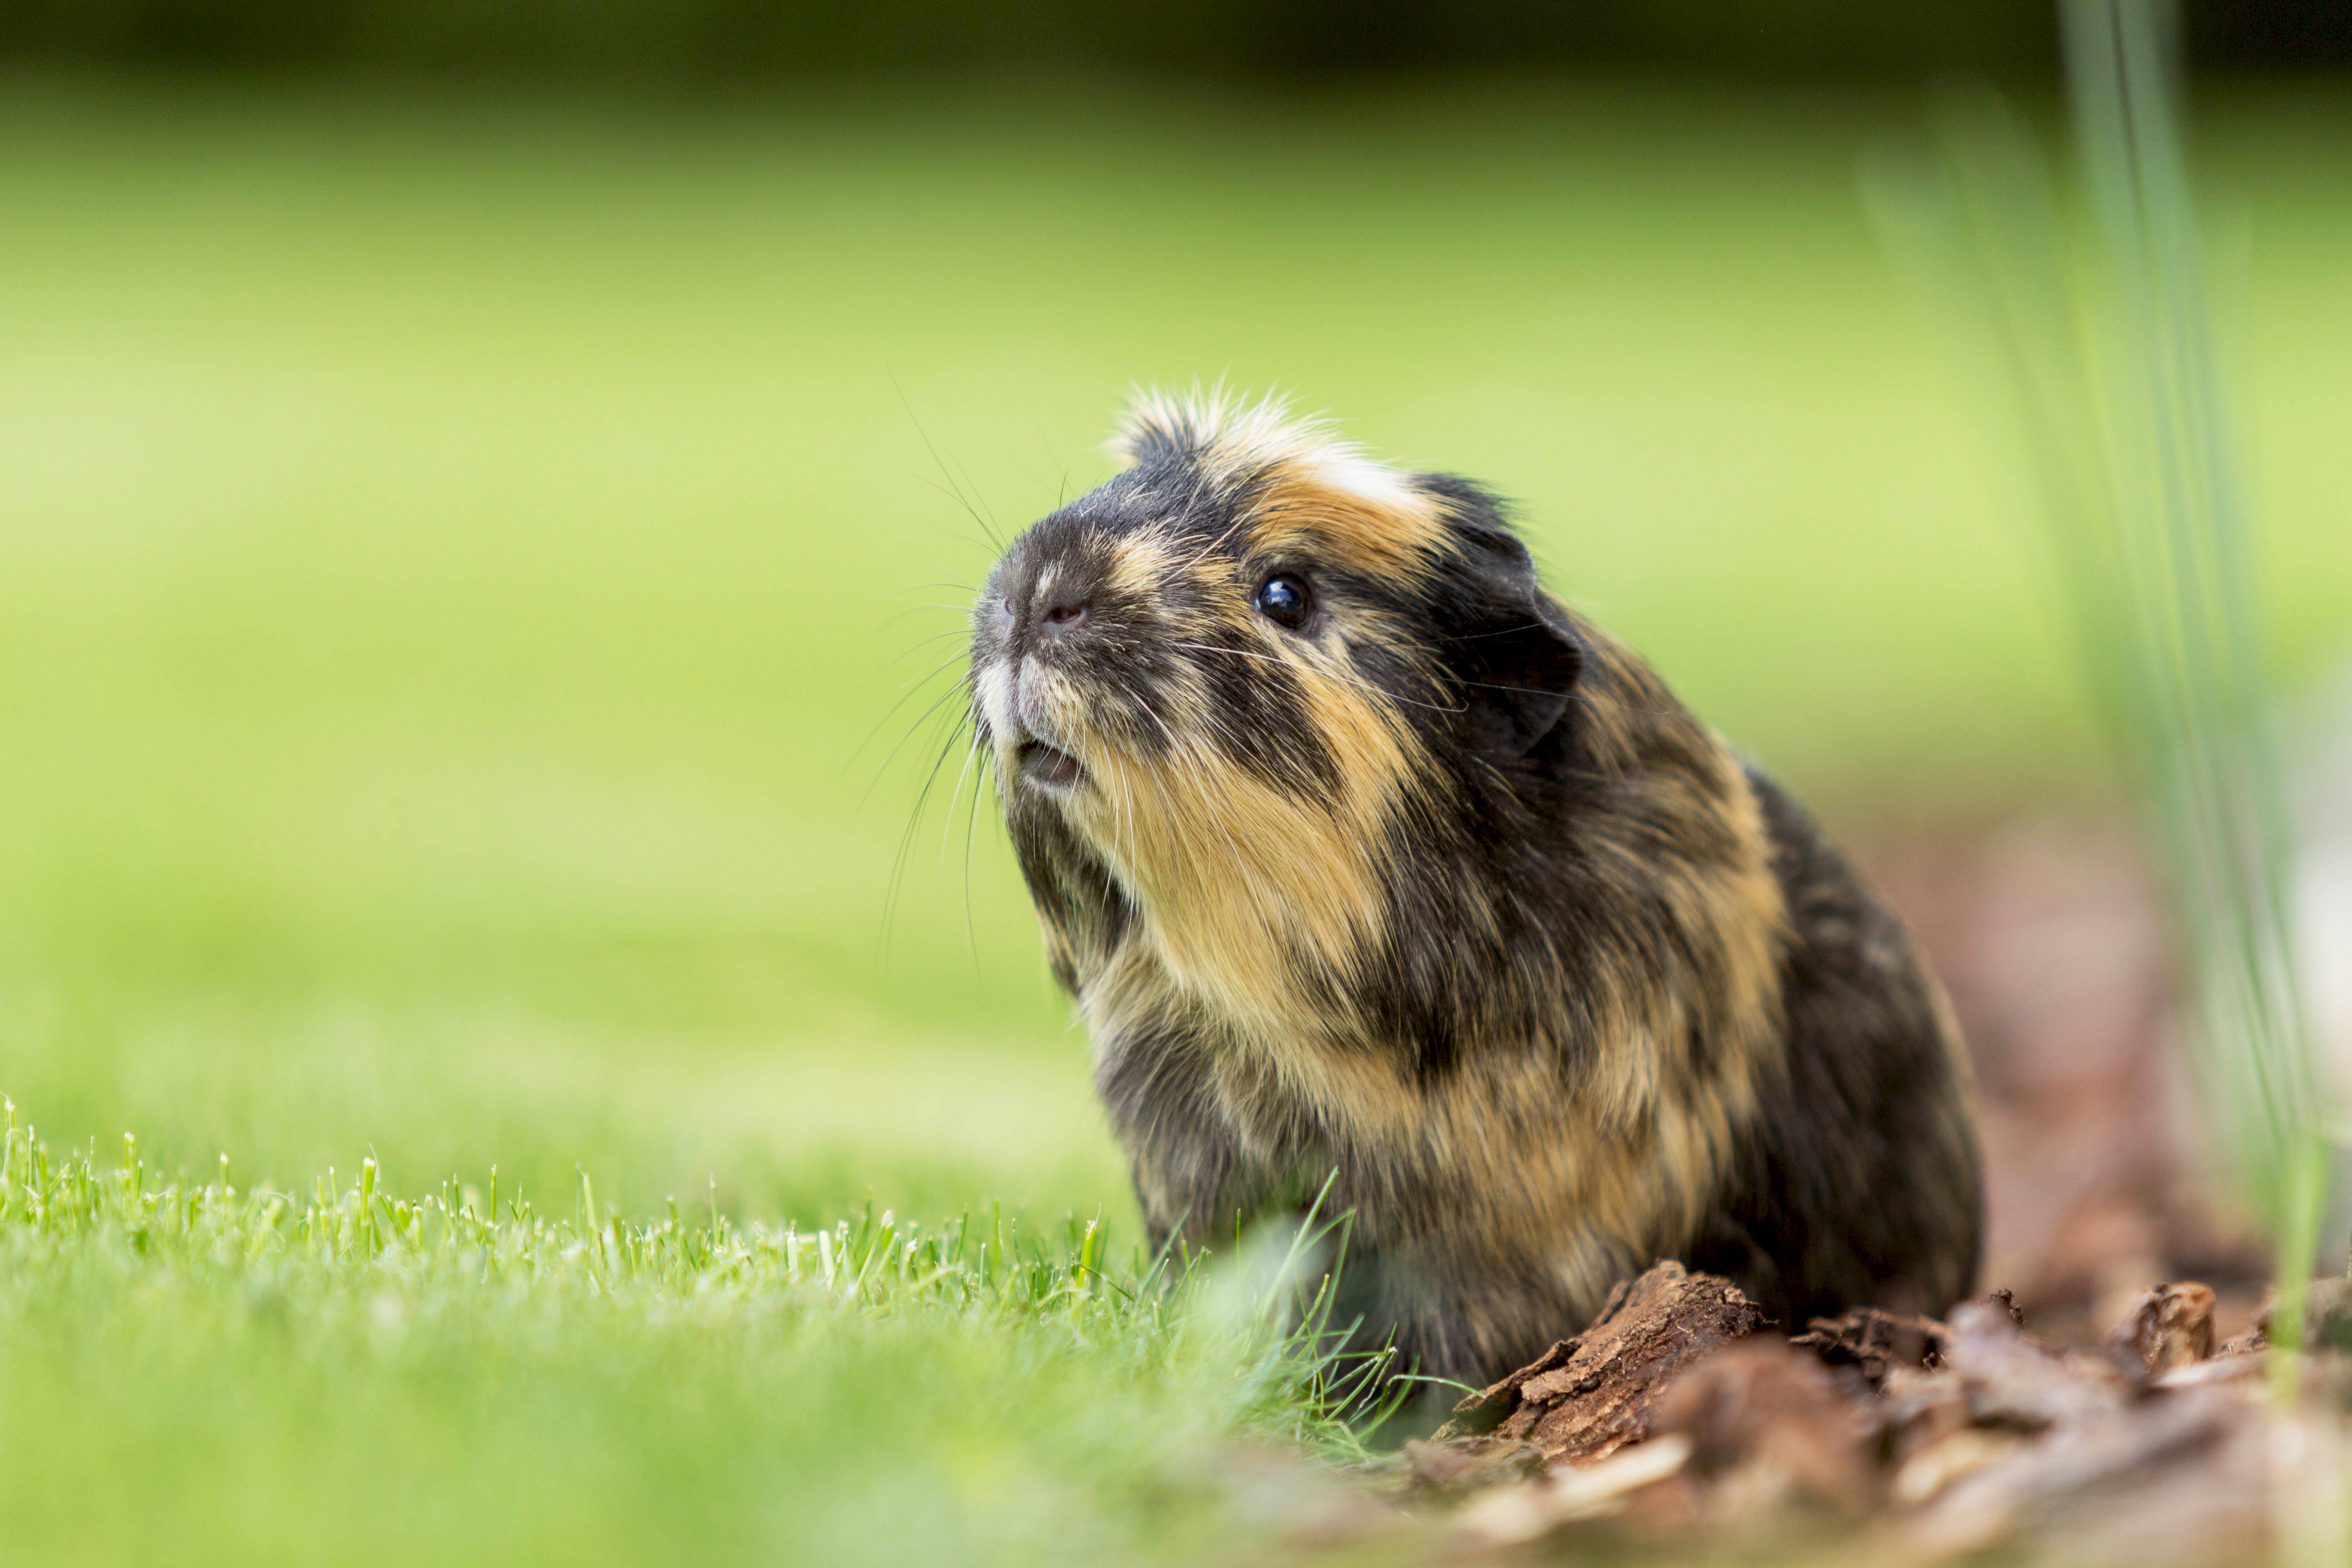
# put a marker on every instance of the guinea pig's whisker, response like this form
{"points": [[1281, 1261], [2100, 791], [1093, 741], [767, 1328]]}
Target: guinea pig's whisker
{"points": [[987, 532], [955, 798], [914, 689], [1317, 669], [1500, 632], [970, 825], [1530, 690], [954, 490], [907, 838], [957, 632]]}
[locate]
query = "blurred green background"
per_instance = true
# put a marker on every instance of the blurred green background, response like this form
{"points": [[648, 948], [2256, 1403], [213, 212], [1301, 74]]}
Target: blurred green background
{"points": [[461, 542]]}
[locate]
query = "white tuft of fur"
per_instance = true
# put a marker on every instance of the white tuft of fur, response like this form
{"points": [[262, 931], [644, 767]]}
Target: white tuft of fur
{"points": [[1235, 439]]}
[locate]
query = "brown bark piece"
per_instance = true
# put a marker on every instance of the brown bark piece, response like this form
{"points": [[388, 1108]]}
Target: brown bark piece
{"points": [[1767, 1422], [1919, 1408], [1482, 1411], [2178, 1478], [1586, 1397], [2016, 1382], [1663, 1425], [2163, 1329], [1873, 1342]]}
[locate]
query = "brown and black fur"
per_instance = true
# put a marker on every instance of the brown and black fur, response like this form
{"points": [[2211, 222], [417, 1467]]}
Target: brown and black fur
{"points": [[1443, 892]]}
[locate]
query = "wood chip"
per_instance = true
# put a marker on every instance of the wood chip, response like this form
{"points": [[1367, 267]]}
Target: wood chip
{"points": [[1586, 1398], [2165, 1329]]}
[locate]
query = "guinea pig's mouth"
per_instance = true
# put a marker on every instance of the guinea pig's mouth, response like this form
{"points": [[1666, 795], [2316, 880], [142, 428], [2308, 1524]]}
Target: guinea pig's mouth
{"points": [[1046, 766]]}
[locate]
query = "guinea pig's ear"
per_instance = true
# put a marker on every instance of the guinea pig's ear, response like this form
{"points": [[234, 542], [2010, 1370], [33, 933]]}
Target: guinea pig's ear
{"points": [[1516, 653]]}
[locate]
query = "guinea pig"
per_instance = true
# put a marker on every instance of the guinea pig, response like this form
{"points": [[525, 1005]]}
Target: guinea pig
{"points": [[1366, 861]]}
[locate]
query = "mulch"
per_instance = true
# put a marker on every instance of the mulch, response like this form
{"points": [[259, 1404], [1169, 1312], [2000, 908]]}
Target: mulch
{"points": [[1681, 1425]]}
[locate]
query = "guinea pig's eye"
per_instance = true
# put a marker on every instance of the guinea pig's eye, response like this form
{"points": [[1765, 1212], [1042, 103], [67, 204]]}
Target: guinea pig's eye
{"points": [[1285, 600]]}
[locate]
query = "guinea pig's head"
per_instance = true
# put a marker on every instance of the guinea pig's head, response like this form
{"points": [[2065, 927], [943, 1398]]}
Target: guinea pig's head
{"points": [[1232, 675]]}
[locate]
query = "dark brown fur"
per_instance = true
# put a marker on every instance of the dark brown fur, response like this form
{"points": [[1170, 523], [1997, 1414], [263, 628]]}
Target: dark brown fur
{"points": [[1441, 894]]}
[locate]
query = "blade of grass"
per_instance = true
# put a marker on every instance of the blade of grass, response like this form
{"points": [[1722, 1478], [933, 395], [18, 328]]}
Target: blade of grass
{"points": [[2118, 397], [2186, 542]]}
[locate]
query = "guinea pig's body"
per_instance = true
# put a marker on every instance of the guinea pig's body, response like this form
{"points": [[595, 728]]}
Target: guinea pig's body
{"points": [[1366, 860]]}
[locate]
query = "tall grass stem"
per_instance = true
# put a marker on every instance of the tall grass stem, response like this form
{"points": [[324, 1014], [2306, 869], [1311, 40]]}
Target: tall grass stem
{"points": [[2106, 353]]}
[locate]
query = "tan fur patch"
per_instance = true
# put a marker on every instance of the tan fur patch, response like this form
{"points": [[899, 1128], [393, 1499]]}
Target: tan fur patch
{"points": [[1309, 489], [1142, 561], [1238, 880], [1376, 537]]}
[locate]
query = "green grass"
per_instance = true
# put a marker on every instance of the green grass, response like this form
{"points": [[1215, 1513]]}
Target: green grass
{"points": [[196, 1373], [452, 549]]}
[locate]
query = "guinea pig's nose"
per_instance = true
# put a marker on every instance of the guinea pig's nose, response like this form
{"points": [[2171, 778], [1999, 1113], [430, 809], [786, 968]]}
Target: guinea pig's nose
{"points": [[1064, 610]]}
